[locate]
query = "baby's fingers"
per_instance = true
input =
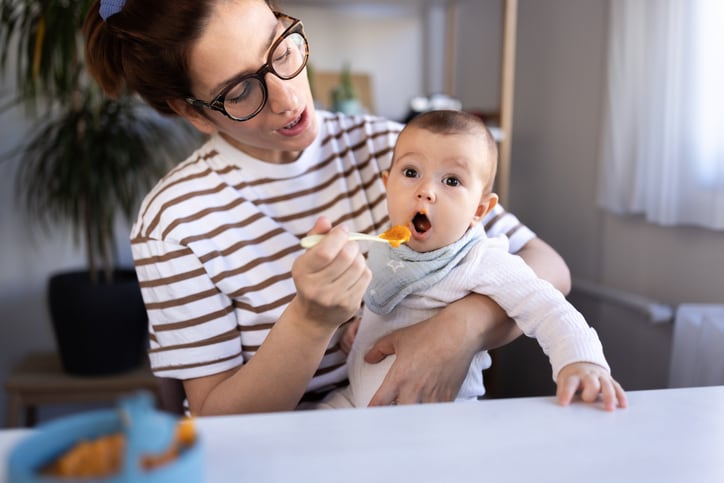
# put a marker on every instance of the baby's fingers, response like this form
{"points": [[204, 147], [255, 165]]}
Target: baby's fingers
{"points": [[591, 387], [613, 395], [567, 389], [608, 393]]}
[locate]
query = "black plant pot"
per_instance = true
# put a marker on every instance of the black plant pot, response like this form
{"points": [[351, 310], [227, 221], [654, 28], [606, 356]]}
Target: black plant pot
{"points": [[100, 328]]}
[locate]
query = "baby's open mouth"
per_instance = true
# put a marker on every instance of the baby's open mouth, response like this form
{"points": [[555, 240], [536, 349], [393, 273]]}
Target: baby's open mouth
{"points": [[421, 222]]}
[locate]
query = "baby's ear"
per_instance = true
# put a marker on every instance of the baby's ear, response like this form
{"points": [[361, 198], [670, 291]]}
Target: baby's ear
{"points": [[487, 203], [385, 177]]}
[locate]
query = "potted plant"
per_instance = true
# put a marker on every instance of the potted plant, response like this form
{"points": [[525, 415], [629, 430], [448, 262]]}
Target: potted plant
{"points": [[344, 95], [88, 161]]}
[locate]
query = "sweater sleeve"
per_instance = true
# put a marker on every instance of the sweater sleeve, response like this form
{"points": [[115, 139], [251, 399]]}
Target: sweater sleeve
{"points": [[541, 311]]}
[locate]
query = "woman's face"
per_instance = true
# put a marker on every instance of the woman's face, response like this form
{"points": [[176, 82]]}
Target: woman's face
{"points": [[236, 41]]}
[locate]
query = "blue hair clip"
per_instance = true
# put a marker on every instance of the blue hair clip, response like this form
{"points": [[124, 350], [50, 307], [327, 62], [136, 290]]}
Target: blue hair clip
{"points": [[111, 7]]}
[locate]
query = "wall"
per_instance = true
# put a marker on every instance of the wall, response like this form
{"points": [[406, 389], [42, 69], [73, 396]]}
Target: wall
{"points": [[340, 34], [558, 109], [560, 76]]}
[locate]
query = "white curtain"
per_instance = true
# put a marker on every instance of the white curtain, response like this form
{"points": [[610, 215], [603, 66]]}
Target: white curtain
{"points": [[662, 149]]}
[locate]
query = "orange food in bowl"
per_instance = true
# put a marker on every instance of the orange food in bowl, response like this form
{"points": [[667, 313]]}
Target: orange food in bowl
{"points": [[91, 458], [103, 456]]}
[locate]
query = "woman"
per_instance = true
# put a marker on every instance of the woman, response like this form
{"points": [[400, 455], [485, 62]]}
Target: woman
{"points": [[237, 309]]}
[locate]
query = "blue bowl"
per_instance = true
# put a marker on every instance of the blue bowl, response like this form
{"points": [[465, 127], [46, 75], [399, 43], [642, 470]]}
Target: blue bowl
{"points": [[51, 440]]}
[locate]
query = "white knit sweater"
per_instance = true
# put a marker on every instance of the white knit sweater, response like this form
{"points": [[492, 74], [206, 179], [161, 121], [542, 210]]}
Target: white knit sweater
{"points": [[538, 308]]}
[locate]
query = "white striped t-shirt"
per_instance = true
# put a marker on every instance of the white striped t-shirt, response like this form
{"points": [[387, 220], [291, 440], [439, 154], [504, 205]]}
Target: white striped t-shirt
{"points": [[215, 240]]}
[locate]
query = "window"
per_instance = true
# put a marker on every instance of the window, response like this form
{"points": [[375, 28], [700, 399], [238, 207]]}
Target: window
{"points": [[662, 149]]}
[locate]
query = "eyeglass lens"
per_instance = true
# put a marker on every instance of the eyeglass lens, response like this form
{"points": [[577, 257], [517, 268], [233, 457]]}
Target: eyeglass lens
{"points": [[287, 61]]}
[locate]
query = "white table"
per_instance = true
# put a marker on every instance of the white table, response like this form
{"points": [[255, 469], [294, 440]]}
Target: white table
{"points": [[672, 435]]}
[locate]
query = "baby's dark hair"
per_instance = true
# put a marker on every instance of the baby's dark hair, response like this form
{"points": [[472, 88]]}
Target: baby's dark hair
{"points": [[458, 122], [145, 47]]}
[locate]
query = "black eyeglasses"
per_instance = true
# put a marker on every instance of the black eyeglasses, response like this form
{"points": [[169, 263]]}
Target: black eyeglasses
{"points": [[246, 96]]}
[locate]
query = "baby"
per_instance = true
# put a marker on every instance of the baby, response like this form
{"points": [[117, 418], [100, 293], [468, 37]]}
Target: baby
{"points": [[440, 186]]}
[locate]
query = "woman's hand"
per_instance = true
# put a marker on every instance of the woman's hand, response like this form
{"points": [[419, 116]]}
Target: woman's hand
{"points": [[591, 381], [433, 356], [331, 277]]}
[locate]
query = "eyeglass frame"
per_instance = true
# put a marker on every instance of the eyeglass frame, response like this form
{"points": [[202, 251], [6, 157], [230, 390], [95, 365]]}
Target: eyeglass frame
{"points": [[217, 104]]}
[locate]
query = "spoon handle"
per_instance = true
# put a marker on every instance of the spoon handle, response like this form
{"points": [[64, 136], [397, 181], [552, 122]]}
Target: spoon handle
{"points": [[311, 240]]}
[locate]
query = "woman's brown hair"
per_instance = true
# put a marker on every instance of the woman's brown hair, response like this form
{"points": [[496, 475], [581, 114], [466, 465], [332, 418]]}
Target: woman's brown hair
{"points": [[144, 47]]}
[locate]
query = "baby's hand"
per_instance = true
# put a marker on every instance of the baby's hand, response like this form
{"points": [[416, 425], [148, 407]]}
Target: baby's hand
{"points": [[591, 380]]}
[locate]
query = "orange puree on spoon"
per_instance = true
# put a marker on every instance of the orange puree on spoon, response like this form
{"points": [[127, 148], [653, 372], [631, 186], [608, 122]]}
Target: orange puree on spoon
{"points": [[396, 235]]}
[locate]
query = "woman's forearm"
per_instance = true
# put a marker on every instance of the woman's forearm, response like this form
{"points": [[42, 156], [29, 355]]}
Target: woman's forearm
{"points": [[547, 264], [273, 380]]}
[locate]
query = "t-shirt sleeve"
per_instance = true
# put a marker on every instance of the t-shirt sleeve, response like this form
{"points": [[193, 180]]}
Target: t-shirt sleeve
{"points": [[501, 222], [192, 325]]}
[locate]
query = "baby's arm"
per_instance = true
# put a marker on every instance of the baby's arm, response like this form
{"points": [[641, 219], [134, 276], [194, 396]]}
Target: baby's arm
{"points": [[542, 312]]}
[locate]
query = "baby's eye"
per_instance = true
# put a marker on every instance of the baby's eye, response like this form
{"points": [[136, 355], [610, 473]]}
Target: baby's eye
{"points": [[451, 181], [409, 173]]}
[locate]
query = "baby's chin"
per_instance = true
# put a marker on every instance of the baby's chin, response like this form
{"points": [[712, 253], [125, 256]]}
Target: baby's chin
{"points": [[427, 245]]}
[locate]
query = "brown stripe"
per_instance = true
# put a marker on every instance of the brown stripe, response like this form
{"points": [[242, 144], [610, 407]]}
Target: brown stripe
{"points": [[191, 366], [355, 127], [211, 154], [315, 189], [183, 300], [334, 156], [257, 261], [193, 322], [494, 220], [238, 246], [180, 277], [372, 205], [358, 168], [183, 252], [321, 207], [254, 348], [220, 229], [261, 285], [226, 336], [268, 326], [252, 328], [325, 370], [512, 231], [199, 214], [264, 308]]}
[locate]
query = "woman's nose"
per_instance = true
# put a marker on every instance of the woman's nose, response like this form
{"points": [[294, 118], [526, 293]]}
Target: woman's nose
{"points": [[282, 96]]}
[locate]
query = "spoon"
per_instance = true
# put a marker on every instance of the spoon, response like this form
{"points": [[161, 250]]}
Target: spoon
{"points": [[395, 236]]}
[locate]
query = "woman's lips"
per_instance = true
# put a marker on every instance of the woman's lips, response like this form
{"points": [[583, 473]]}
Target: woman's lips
{"points": [[296, 126]]}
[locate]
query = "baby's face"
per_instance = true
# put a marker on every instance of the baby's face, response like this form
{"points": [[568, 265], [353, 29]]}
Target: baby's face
{"points": [[436, 186]]}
